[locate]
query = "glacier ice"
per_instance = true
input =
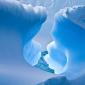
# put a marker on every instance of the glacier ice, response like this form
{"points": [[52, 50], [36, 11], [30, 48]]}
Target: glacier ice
{"points": [[19, 23], [26, 20], [67, 51], [26, 16], [52, 7]]}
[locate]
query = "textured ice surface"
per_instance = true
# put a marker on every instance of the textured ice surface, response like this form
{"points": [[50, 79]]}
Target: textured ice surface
{"points": [[76, 15], [27, 20], [27, 17], [42, 63], [66, 54]]}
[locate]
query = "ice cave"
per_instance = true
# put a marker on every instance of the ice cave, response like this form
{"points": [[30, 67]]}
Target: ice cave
{"points": [[42, 42]]}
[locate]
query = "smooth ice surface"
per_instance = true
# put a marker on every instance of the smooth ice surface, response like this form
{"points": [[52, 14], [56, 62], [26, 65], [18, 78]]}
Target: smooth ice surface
{"points": [[26, 20], [19, 23], [56, 81], [69, 37], [60, 80]]}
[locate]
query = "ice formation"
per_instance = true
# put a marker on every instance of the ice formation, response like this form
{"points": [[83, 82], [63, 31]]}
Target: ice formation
{"points": [[56, 81], [42, 63], [65, 54], [67, 51], [26, 20]]}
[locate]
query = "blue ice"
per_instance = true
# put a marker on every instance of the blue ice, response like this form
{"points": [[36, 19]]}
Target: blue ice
{"points": [[67, 51], [26, 20]]}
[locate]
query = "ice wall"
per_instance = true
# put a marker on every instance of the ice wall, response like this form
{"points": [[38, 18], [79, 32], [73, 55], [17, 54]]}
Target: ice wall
{"points": [[26, 20], [52, 7], [67, 51], [17, 19]]}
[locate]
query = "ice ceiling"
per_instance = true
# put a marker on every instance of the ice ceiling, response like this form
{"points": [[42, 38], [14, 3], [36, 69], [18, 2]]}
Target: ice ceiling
{"points": [[67, 48]]}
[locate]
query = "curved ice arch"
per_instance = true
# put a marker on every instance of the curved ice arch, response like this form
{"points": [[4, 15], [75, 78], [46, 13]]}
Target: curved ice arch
{"points": [[56, 58], [69, 34], [27, 21]]}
